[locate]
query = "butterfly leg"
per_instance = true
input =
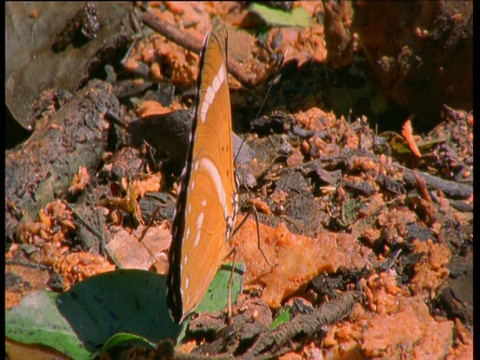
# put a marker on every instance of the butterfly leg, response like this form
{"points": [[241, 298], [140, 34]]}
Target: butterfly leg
{"points": [[230, 283], [254, 211]]}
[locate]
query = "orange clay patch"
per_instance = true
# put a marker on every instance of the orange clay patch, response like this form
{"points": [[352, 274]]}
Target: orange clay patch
{"points": [[298, 258], [410, 332], [78, 266], [432, 270], [28, 281]]}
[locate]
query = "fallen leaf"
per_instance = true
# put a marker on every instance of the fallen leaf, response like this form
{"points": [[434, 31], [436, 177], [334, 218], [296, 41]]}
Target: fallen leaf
{"points": [[407, 132], [151, 107], [128, 253]]}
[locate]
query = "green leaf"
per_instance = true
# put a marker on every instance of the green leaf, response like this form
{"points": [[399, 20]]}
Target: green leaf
{"points": [[350, 212], [36, 320], [216, 297], [81, 320], [284, 316], [129, 301], [118, 308], [398, 144], [275, 17], [126, 340]]}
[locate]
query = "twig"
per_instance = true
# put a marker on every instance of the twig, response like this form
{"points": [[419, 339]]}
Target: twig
{"points": [[451, 189], [171, 32], [278, 341], [190, 43], [27, 264], [84, 222]]}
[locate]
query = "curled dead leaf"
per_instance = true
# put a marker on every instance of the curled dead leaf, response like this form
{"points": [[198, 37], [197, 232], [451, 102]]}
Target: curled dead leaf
{"points": [[407, 132]]}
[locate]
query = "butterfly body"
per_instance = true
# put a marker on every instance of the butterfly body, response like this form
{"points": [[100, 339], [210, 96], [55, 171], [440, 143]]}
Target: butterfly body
{"points": [[207, 200]]}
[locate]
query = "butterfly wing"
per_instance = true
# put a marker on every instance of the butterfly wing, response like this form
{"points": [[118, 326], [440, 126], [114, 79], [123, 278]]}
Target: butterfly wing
{"points": [[206, 204]]}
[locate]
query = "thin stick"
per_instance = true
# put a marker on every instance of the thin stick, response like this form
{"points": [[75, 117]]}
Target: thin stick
{"points": [[84, 222], [230, 283], [190, 43], [152, 219], [394, 258]]}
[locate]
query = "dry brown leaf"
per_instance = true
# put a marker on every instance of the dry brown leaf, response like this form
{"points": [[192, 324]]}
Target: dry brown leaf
{"points": [[157, 241], [407, 132], [16, 350], [128, 253], [45, 218], [295, 159], [26, 230], [310, 119], [151, 107], [58, 210]]}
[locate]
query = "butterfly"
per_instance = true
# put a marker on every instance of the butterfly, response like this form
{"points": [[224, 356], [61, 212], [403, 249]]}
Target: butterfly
{"points": [[207, 198]]}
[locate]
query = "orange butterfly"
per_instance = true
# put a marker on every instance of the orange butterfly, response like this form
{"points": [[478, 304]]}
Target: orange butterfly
{"points": [[207, 199]]}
